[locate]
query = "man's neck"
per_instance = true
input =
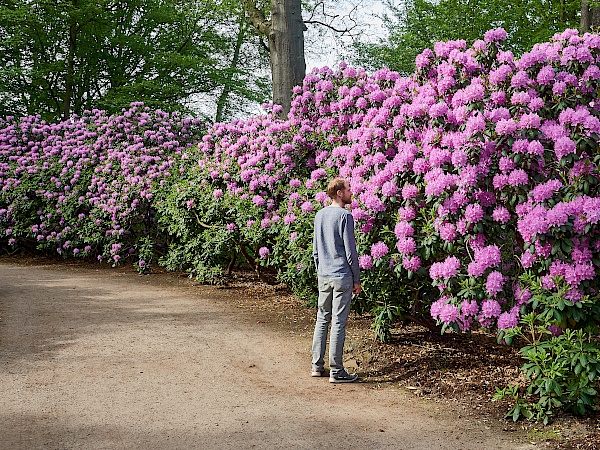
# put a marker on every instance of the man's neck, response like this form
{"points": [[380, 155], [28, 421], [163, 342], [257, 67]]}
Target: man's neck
{"points": [[338, 202]]}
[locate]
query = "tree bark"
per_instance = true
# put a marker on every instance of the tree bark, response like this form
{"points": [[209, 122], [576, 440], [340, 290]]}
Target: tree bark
{"points": [[69, 75], [590, 17], [285, 33], [286, 44]]}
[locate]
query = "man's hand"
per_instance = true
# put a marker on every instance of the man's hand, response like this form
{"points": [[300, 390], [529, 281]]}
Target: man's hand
{"points": [[357, 289]]}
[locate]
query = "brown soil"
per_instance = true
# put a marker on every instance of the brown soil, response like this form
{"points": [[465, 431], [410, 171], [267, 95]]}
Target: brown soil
{"points": [[94, 357]]}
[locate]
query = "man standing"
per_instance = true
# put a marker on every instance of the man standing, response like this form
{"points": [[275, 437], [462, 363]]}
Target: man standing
{"points": [[336, 260]]}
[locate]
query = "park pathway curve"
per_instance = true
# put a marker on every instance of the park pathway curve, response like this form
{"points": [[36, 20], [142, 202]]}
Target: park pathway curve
{"points": [[107, 359]]}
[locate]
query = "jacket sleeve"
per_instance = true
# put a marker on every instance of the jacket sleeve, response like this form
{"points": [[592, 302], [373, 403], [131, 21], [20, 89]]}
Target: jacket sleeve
{"points": [[315, 250], [350, 247]]}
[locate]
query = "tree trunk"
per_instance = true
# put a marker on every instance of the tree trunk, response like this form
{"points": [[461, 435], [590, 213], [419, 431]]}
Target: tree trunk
{"points": [[590, 17], [286, 46], [285, 32], [222, 102], [69, 75]]}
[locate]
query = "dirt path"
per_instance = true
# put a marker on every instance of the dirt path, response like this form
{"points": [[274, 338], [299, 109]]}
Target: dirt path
{"points": [[99, 359]]}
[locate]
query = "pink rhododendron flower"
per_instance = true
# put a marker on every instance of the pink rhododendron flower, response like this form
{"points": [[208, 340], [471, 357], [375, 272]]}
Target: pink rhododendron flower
{"points": [[379, 250], [406, 246], [501, 214], [445, 269], [412, 263], [494, 283], [365, 262]]}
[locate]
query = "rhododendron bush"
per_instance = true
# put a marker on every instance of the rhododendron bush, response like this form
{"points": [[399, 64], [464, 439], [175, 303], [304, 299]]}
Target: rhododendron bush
{"points": [[84, 187], [476, 194], [475, 188]]}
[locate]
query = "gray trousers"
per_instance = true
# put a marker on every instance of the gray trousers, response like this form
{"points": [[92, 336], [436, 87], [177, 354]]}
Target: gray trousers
{"points": [[335, 295]]}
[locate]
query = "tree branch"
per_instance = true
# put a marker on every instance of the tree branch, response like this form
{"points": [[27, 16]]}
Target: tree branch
{"points": [[257, 17], [331, 27], [330, 18]]}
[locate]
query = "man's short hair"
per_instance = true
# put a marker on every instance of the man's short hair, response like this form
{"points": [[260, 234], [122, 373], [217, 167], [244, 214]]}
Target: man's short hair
{"points": [[337, 184]]}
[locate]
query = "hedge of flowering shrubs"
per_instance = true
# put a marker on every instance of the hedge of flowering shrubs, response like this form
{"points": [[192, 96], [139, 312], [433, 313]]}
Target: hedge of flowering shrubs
{"points": [[84, 187], [476, 197]]}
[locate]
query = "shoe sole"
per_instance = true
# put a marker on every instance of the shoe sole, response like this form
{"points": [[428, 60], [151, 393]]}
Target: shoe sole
{"points": [[345, 380]]}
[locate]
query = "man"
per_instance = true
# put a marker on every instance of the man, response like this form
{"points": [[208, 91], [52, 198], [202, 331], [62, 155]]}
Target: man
{"points": [[336, 260]]}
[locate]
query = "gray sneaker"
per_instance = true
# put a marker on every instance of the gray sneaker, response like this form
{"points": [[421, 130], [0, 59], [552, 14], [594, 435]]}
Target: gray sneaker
{"points": [[342, 377]]}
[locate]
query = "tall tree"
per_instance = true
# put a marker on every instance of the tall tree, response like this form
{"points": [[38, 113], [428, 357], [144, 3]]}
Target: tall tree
{"points": [[414, 25], [590, 17], [282, 23], [285, 33], [59, 57]]}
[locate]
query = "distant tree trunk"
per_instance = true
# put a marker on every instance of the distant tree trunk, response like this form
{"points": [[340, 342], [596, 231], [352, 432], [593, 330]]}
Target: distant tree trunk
{"points": [[286, 45], [222, 102], [285, 33], [70, 69], [590, 17]]}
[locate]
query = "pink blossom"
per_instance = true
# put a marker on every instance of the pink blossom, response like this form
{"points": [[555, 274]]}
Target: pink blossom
{"points": [[258, 200], [508, 320], [490, 308], [403, 229], [365, 262], [409, 191], [406, 246], [501, 214], [448, 313], [564, 146], [473, 213], [448, 232], [527, 259], [379, 250], [469, 308], [445, 269], [494, 283], [412, 263]]}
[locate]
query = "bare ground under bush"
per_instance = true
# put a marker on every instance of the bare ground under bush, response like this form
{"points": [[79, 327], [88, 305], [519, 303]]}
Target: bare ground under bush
{"points": [[93, 357]]}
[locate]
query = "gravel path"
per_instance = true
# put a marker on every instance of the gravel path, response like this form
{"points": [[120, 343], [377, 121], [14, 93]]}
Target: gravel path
{"points": [[107, 359]]}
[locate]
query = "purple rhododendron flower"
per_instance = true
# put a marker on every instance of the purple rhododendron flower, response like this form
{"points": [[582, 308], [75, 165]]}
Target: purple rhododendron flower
{"points": [[409, 191], [258, 200], [412, 263], [403, 229], [490, 308], [501, 214], [379, 250], [469, 308], [473, 213], [494, 283], [445, 269], [508, 320], [449, 313], [406, 246], [365, 262]]}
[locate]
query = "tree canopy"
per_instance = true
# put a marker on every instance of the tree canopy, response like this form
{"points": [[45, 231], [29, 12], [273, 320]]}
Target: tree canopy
{"points": [[414, 25], [61, 57]]}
